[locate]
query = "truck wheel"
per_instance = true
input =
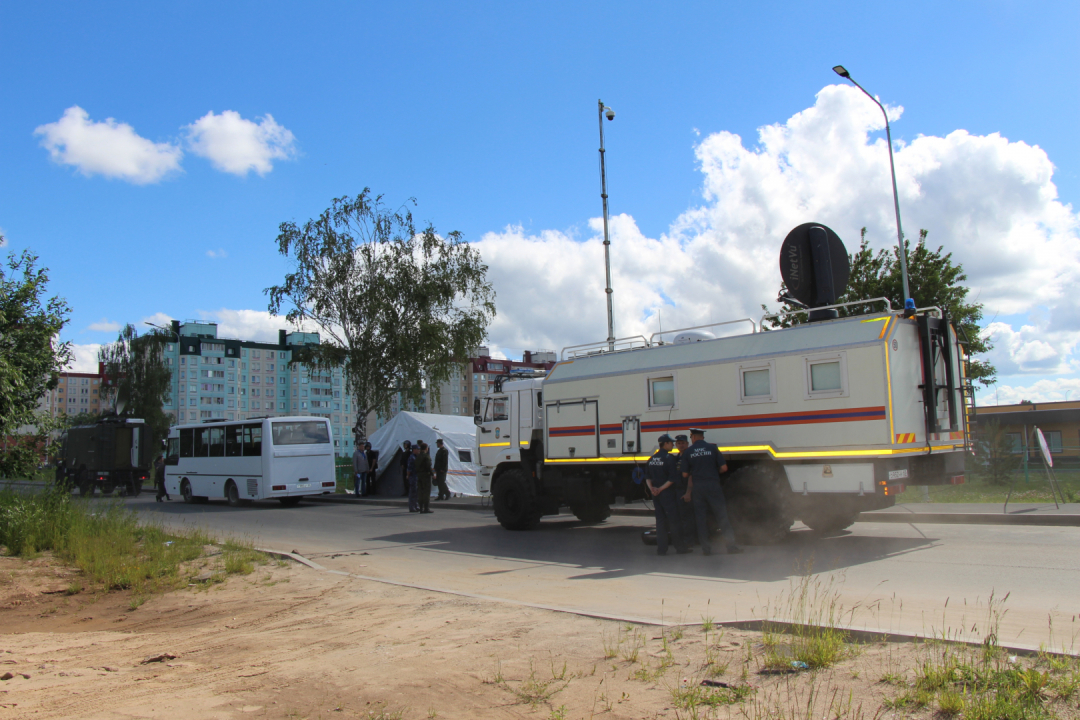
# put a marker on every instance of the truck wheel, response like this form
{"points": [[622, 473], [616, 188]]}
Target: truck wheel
{"points": [[758, 505], [136, 489], [515, 508], [829, 521], [593, 513], [185, 491], [233, 495]]}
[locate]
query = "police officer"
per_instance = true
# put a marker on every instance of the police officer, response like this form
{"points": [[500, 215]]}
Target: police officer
{"points": [[662, 477], [686, 508], [406, 454], [703, 466], [442, 464], [423, 479], [412, 468]]}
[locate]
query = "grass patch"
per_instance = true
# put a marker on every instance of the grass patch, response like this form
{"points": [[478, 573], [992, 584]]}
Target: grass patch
{"points": [[107, 542], [694, 697], [976, 490]]}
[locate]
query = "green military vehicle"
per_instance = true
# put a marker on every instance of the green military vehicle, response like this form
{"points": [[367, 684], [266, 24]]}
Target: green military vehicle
{"points": [[112, 454]]}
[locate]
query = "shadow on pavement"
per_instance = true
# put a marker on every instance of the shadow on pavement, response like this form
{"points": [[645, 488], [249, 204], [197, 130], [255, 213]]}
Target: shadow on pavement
{"points": [[611, 551]]}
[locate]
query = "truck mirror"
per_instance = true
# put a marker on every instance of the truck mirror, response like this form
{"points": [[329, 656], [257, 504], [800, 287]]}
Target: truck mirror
{"points": [[476, 409]]}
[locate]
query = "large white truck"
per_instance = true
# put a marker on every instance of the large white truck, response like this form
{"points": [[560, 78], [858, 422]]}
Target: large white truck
{"points": [[819, 421]]}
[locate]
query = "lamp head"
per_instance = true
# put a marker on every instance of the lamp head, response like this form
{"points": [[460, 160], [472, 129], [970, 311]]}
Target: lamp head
{"points": [[609, 113], [842, 72]]}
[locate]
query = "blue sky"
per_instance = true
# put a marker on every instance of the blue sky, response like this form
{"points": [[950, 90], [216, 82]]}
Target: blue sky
{"points": [[486, 113]]}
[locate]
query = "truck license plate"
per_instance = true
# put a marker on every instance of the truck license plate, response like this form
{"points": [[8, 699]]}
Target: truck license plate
{"points": [[897, 474], [309, 484]]}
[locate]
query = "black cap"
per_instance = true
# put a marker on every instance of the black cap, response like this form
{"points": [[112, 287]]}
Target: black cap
{"points": [[664, 438], [681, 437], [697, 431]]}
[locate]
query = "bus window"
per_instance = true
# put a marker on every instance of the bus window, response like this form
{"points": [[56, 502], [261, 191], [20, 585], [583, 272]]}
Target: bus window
{"points": [[172, 455], [252, 440], [234, 439], [217, 442], [187, 442], [303, 432], [202, 442]]}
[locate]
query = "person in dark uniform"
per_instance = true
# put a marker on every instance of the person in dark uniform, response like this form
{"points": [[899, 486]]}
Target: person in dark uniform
{"points": [[373, 465], [703, 466], [414, 458], [423, 479], [662, 476], [159, 478], [686, 508], [406, 455], [442, 464], [61, 478]]}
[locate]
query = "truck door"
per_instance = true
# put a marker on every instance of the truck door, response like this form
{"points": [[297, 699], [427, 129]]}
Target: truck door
{"points": [[631, 435], [495, 430], [525, 412], [135, 438], [572, 429]]}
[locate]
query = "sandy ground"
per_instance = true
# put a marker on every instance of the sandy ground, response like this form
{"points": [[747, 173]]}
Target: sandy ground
{"points": [[290, 642]]}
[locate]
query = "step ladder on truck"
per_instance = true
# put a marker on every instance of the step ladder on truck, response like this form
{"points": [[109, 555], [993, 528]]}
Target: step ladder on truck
{"points": [[819, 421]]}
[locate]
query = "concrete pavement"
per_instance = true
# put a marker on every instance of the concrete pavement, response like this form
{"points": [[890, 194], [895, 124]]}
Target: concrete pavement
{"points": [[901, 578]]}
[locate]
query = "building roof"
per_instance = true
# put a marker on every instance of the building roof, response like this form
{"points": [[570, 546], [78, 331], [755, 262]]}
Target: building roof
{"points": [[1029, 413]]}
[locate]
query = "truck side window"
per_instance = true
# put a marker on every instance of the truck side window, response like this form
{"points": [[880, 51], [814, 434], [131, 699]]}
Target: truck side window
{"points": [[187, 442], [252, 440], [500, 409]]}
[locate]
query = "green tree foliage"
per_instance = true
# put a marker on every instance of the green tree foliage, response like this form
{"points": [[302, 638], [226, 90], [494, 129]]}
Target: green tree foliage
{"points": [[995, 458], [934, 280], [396, 307], [137, 378], [31, 359]]}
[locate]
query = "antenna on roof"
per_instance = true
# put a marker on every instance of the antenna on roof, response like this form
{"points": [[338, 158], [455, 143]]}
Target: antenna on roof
{"points": [[815, 267]]}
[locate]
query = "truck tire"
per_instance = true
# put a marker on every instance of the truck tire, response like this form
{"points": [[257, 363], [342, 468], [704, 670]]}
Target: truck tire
{"points": [[758, 505], [185, 492], [515, 507], [233, 495], [828, 522], [593, 513]]}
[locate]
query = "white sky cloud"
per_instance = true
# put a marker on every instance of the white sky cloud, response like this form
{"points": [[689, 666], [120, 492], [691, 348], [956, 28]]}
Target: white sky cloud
{"points": [[217, 254], [104, 325], [110, 148], [84, 358], [1046, 390], [989, 201], [238, 146]]}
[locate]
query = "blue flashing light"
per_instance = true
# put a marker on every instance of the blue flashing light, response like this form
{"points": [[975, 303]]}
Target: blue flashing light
{"points": [[909, 304]]}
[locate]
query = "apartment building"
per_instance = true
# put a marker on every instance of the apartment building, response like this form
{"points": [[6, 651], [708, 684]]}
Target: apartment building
{"points": [[226, 379], [76, 393]]}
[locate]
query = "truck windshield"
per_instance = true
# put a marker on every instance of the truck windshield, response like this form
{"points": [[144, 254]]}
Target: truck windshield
{"points": [[303, 432], [497, 409]]}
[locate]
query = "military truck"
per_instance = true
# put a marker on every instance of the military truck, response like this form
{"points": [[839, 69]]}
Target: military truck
{"points": [[112, 454]]}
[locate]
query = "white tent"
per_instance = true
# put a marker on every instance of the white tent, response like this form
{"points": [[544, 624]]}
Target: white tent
{"points": [[458, 434]]}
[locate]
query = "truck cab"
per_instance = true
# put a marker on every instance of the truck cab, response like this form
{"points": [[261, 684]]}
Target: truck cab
{"points": [[507, 421]]}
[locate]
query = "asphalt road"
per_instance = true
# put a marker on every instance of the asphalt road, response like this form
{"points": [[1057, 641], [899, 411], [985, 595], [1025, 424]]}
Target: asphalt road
{"points": [[927, 579]]}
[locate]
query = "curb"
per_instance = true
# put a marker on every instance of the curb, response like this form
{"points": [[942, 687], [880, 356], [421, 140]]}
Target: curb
{"points": [[970, 519], [862, 635]]}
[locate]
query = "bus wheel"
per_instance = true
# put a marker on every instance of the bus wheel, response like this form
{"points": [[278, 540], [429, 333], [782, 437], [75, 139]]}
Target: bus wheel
{"points": [[289, 501], [185, 490], [233, 495], [515, 508]]}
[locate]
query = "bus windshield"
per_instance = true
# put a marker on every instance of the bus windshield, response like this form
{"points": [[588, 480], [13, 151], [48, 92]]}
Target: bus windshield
{"points": [[300, 432]]}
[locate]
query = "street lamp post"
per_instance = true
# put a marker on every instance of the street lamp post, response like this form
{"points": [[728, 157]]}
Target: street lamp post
{"points": [[839, 70], [601, 111]]}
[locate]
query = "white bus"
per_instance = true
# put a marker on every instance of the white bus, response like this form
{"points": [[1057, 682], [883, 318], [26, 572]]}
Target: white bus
{"points": [[282, 458]]}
